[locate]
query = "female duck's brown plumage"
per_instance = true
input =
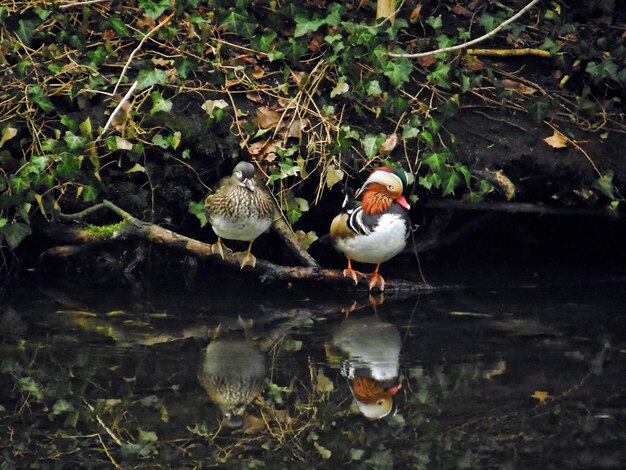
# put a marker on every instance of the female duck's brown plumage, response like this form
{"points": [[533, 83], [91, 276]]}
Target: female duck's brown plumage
{"points": [[239, 209], [378, 229]]}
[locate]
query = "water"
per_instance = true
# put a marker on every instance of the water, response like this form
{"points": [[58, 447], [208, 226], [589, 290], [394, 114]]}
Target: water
{"points": [[106, 376]]}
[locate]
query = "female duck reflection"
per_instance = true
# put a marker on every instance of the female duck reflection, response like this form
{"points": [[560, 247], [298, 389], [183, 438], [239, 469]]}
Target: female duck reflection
{"points": [[372, 347], [233, 371]]}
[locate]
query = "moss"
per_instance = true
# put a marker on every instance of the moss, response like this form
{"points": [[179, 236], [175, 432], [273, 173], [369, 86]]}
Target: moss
{"points": [[103, 231]]}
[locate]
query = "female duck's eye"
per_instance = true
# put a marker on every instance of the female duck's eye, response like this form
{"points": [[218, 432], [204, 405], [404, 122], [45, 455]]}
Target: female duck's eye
{"points": [[238, 174]]}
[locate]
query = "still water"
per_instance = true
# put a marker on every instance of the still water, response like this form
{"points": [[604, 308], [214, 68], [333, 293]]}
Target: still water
{"points": [[236, 375]]}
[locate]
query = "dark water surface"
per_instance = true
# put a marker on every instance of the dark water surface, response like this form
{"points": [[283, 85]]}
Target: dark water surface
{"points": [[168, 376]]}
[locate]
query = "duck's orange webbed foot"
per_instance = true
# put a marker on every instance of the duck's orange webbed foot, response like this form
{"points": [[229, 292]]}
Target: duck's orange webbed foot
{"points": [[376, 280], [351, 273]]}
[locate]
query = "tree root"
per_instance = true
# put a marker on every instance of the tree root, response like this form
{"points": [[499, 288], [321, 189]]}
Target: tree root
{"points": [[267, 271]]}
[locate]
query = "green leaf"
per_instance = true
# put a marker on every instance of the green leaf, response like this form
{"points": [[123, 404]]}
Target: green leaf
{"points": [[74, 142], [148, 78], [605, 185], [451, 183], [373, 88], [40, 99], [14, 233], [398, 71], [306, 25], [371, 144], [62, 406], [161, 141], [197, 209], [28, 385], [119, 26], [154, 8], [159, 104], [440, 75]]}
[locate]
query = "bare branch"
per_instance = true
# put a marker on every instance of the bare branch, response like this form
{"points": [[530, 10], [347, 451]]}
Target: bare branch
{"points": [[467, 44]]}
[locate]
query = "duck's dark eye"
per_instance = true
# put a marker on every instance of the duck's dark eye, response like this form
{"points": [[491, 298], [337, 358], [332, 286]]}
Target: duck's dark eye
{"points": [[238, 174], [380, 403], [391, 187]]}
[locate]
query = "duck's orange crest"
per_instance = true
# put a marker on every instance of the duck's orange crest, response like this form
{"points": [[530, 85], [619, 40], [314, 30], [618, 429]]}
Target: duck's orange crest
{"points": [[367, 390]]}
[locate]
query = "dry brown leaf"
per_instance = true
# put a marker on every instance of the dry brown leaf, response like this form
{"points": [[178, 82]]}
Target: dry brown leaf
{"points": [[389, 144], [252, 425], [416, 13], [258, 72], [264, 150], [333, 176], [556, 140], [460, 10], [162, 62], [255, 97], [517, 86], [473, 63], [426, 61], [267, 118], [316, 41], [541, 396], [296, 128], [499, 369]]}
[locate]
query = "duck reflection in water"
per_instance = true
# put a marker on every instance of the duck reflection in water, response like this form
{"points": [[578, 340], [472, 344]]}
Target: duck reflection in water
{"points": [[372, 347], [232, 372]]}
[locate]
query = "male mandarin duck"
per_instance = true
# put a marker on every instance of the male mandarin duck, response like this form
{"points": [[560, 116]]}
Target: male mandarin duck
{"points": [[233, 373], [372, 347], [378, 229], [239, 209]]}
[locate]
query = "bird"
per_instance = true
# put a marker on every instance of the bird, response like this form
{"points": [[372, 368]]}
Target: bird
{"points": [[233, 374], [371, 347], [376, 230], [239, 209]]}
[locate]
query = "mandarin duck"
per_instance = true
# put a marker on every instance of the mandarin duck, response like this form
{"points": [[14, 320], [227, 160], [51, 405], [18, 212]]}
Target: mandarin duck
{"points": [[233, 372], [377, 229], [372, 347], [239, 209]]}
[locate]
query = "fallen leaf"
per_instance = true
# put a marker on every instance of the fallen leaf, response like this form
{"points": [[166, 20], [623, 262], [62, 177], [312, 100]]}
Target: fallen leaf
{"points": [[162, 62], [324, 452], [460, 10], [323, 384], [252, 425], [389, 144], [267, 117], [210, 105], [517, 86], [258, 72], [541, 396], [296, 128], [316, 41], [264, 150], [499, 369], [426, 61], [416, 13], [333, 176], [255, 97], [556, 140], [341, 88], [7, 134]]}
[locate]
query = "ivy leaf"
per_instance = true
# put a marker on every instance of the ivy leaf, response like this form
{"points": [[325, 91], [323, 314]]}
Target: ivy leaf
{"points": [[306, 25], [371, 143], [440, 75], [153, 8], [605, 185], [197, 209], [373, 88], [159, 104], [148, 78], [40, 99], [14, 233], [8, 133], [74, 142], [398, 71], [451, 183]]}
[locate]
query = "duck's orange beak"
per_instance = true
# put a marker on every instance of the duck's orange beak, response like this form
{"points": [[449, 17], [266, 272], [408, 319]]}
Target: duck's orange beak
{"points": [[403, 202]]}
